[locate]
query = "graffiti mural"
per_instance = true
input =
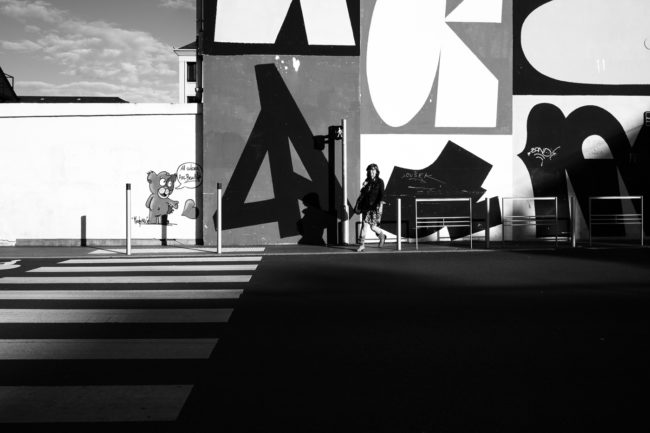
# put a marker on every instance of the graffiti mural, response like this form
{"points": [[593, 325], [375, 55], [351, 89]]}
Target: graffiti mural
{"points": [[560, 49], [455, 173], [159, 204], [162, 185], [305, 27], [590, 149], [282, 133], [437, 66]]}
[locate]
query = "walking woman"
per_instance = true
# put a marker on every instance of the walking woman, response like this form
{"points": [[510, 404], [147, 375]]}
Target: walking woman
{"points": [[370, 205]]}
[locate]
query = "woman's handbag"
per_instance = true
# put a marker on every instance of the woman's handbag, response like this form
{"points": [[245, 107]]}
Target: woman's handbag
{"points": [[357, 206]]}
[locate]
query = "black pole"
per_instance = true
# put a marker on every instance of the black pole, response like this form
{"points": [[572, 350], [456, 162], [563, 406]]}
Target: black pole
{"points": [[199, 117], [199, 51]]}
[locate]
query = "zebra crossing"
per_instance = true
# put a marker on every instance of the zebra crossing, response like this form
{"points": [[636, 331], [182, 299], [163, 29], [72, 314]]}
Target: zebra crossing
{"points": [[112, 339]]}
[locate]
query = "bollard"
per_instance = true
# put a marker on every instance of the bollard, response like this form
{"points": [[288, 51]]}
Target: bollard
{"points": [[399, 224], [219, 218], [128, 219], [573, 221], [487, 223], [345, 234]]}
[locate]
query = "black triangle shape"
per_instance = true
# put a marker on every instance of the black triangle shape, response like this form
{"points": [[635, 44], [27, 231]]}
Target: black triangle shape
{"points": [[292, 35]]}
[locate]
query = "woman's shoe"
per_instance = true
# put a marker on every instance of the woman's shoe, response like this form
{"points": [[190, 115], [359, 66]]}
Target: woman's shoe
{"points": [[382, 239], [361, 248]]}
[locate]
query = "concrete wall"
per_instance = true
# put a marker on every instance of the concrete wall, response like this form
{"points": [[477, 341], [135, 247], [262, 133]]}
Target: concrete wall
{"points": [[581, 86], [261, 116], [66, 166], [478, 98], [270, 92]]}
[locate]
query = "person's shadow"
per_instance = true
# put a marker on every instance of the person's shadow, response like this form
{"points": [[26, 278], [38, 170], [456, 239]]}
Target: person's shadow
{"points": [[314, 221]]}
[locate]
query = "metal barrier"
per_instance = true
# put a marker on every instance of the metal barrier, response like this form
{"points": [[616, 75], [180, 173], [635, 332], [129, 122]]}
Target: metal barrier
{"points": [[443, 221], [616, 218], [528, 220]]}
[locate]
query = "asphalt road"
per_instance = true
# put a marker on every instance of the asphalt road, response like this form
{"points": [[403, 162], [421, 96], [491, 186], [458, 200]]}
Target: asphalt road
{"points": [[484, 341]]}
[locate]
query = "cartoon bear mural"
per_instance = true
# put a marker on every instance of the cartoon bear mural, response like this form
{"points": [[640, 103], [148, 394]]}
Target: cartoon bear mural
{"points": [[161, 186]]}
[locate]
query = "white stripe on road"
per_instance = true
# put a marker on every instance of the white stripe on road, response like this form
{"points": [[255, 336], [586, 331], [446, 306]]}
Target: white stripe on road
{"points": [[121, 403], [172, 250], [160, 260], [104, 348], [153, 279], [164, 268], [214, 315], [89, 295]]}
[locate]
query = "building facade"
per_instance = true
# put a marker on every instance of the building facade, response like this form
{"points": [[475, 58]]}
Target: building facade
{"points": [[187, 73], [485, 99]]}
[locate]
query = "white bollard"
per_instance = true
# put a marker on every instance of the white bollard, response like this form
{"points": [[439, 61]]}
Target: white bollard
{"points": [[487, 223], [128, 219], [573, 222], [219, 213], [399, 224], [344, 183]]}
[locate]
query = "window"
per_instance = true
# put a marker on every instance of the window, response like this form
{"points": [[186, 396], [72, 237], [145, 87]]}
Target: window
{"points": [[191, 72]]}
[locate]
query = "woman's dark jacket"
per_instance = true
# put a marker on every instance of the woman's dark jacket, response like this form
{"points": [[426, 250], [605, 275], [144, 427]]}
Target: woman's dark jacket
{"points": [[372, 194]]}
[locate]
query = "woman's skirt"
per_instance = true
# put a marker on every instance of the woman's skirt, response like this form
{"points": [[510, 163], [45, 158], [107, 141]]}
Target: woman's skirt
{"points": [[372, 217]]}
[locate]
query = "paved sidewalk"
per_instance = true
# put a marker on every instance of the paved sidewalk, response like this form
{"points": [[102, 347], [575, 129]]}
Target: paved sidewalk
{"points": [[27, 252]]}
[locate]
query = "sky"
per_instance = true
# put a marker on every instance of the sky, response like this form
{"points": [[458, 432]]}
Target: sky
{"points": [[118, 48]]}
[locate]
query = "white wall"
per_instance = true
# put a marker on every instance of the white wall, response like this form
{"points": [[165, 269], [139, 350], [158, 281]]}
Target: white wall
{"points": [[66, 161]]}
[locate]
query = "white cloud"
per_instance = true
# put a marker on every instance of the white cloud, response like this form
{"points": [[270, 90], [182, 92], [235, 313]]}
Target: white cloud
{"points": [[132, 62], [602, 46], [24, 10], [24, 46], [179, 4]]}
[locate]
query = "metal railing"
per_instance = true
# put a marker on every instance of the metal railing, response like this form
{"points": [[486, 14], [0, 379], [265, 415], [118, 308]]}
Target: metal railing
{"points": [[528, 220], [443, 221], [615, 218]]}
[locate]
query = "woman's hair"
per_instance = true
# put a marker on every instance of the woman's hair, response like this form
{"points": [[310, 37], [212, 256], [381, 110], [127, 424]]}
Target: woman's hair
{"points": [[370, 167]]}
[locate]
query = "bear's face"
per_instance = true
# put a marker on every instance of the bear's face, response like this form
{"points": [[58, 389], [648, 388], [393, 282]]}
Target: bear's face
{"points": [[161, 184]]}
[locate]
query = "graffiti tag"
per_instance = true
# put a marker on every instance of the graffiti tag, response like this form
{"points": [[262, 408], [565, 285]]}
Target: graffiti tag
{"points": [[421, 177], [543, 153]]}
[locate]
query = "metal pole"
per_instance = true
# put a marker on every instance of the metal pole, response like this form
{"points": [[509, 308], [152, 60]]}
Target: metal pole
{"points": [[573, 222], [219, 213], [487, 223], [642, 240], [128, 219], [399, 224], [471, 227], [416, 224], [503, 222], [345, 218], [557, 227], [199, 51], [589, 222]]}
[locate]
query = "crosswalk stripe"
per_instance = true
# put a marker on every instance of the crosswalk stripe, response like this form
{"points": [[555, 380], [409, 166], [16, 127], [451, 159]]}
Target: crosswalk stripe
{"points": [[161, 260], [67, 295], [103, 348], [172, 250], [214, 315], [165, 268], [136, 279], [112, 403]]}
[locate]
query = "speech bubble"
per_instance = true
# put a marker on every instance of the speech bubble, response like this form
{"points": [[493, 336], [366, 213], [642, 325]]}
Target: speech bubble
{"points": [[189, 175]]}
